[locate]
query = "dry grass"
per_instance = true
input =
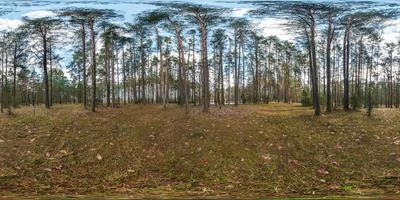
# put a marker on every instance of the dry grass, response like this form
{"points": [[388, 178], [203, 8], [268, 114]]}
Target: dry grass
{"points": [[250, 150]]}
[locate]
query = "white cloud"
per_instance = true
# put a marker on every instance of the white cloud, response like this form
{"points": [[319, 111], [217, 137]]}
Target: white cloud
{"points": [[39, 14], [9, 24], [240, 12], [392, 32], [275, 27]]}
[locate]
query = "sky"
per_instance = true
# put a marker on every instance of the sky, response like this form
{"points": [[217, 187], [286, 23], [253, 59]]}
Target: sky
{"points": [[128, 8], [269, 26]]}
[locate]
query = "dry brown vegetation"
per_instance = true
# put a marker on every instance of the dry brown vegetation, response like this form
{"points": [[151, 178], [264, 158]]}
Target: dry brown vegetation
{"points": [[250, 150]]}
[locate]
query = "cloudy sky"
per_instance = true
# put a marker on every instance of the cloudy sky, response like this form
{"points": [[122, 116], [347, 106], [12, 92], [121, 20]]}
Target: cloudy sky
{"points": [[268, 26], [40, 8]]}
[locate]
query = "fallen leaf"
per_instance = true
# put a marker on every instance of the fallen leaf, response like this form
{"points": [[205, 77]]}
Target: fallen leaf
{"points": [[334, 187], [335, 162], [266, 157], [229, 187], [322, 171], [47, 169], [294, 162]]}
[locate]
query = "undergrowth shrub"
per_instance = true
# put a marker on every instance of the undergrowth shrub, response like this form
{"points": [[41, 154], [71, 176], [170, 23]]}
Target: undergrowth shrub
{"points": [[305, 98]]}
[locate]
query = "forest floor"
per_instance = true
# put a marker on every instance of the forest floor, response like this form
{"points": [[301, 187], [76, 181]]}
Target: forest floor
{"points": [[246, 151]]}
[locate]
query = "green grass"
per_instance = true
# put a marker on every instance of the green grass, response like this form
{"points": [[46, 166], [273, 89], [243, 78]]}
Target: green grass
{"points": [[245, 151]]}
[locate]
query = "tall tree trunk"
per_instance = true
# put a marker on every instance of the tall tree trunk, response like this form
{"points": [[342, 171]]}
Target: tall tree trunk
{"points": [[216, 75], [130, 73], [360, 65], [93, 48], [182, 80], [143, 64], [193, 70], [45, 74], [256, 84], [84, 64], [221, 68], [370, 83], [15, 76], [134, 66], [328, 65], [123, 74], [2, 82], [236, 71], [206, 88], [243, 69], [107, 66], [113, 60], [7, 89], [315, 68], [346, 54], [229, 71], [163, 73], [117, 72], [51, 72]]}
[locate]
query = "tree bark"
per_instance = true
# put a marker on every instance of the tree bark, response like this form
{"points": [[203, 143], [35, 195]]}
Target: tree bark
{"points": [[346, 54], [93, 48], [45, 74], [15, 76], [143, 64], [51, 73], [2, 82], [206, 88], [84, 64], [328, 64], [107, 66], [221, 73], [315, 68]]}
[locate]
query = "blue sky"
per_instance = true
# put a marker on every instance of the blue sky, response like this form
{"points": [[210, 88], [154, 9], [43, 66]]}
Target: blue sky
{"points": [[267, 26]]}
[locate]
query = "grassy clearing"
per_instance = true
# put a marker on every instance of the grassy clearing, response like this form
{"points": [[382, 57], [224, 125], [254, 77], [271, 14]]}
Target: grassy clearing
{"points": [[250, 150]]}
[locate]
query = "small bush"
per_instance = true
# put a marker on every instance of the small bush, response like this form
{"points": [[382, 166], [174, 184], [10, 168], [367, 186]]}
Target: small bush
{"points": [[305, 98], [196, 134], [355, 101]]}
